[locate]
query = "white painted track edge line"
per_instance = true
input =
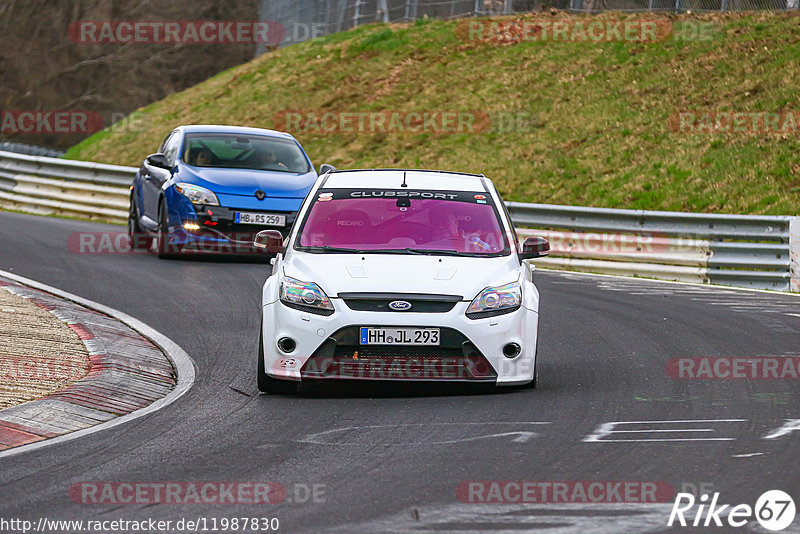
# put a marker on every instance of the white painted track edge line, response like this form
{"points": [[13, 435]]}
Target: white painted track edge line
{"points": [[675, 282], [185, 367]]}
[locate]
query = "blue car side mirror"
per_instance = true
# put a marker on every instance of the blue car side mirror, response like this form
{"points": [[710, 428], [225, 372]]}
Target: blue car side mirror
{"points": [[158, 160]]}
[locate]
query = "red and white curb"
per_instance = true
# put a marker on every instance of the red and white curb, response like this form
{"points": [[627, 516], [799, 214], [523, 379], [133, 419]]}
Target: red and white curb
{"points": [[134, 371]]}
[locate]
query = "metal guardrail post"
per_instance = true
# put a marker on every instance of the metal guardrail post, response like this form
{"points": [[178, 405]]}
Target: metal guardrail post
{"points": [[340, 18], [356, 13], [411, 10], [794, 254], [382, 11]]}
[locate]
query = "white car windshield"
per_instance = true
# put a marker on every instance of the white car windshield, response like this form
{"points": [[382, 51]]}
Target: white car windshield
{"points": [[401, 221]]}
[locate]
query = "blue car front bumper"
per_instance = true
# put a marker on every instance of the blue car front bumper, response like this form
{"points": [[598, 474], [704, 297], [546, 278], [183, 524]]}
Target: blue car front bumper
{"points": [[215, 229]]}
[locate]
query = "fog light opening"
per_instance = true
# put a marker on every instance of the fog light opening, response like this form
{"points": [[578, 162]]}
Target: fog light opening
{"points": [[286, 344], [511, 350]]}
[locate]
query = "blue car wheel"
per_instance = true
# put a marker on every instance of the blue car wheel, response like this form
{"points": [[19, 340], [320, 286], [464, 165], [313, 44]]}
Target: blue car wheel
{"points": [[164, 249]]}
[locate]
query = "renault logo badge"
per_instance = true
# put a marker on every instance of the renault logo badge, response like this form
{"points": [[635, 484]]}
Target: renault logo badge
{"points": [[260, 194]]}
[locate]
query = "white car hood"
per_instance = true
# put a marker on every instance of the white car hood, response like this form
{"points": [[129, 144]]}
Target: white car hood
{"points": [[394, 273]]}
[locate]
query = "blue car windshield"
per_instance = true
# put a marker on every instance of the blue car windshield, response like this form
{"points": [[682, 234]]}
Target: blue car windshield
{"points": [[237, 151]]}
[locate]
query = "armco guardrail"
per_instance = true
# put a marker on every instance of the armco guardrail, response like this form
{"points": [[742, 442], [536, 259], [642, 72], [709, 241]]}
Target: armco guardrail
{"points": [[757, 251], [53, 186], [737, 250], [31, 150]]}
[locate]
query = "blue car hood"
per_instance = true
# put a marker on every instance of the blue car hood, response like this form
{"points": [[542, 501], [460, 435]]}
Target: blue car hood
{"points": [[247, 181]]}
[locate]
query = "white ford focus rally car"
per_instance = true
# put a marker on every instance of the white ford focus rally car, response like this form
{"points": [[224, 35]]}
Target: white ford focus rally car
{"points": [[399, 275]]}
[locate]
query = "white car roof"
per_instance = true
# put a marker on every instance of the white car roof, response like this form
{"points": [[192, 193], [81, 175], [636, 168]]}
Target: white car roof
{"points": [[415, 179]]}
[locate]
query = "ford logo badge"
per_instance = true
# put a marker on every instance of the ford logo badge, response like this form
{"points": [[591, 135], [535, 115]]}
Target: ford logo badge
{"points": [[400, 305]]}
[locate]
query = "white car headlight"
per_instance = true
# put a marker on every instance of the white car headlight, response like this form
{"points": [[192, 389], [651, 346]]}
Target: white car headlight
{"points": [[197, 194], [306, 296], [496, 301]]}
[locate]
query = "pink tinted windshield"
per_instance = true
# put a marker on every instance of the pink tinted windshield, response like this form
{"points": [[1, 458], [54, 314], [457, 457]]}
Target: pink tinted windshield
{"points": [[380, 223]]}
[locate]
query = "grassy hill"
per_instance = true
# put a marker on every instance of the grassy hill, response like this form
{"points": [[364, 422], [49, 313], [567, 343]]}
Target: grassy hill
{"points": [[597, 115]]}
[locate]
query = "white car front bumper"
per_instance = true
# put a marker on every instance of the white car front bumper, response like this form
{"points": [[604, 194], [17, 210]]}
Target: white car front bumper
{"points": [[328, 346]]}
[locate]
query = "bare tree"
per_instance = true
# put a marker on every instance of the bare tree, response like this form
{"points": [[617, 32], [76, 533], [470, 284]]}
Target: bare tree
{"points": [[43, 69]]}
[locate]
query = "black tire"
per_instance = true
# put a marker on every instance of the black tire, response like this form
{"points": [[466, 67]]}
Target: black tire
{"points": [[533, 383], [164, 251], [267, 384], [140, 240]]}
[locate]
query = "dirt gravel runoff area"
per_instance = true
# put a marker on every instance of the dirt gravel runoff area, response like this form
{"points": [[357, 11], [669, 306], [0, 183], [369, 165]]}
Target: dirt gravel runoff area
{"points": [[39, 353], [66, 367]]}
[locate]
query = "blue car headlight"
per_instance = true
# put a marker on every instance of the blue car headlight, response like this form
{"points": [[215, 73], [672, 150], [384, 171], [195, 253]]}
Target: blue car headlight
{"points": [[496, 301], [197, 194], [306, 296]]}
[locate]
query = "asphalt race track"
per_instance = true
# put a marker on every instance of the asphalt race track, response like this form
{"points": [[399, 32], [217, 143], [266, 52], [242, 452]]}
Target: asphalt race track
{"points": [[391, 461]]}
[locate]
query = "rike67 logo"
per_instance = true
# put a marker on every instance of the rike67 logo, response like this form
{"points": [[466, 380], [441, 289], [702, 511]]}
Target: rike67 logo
{"points": [[774, 510]]}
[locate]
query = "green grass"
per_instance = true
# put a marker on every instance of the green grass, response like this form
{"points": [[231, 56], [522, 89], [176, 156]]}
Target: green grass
{"points": [[592, 124]]}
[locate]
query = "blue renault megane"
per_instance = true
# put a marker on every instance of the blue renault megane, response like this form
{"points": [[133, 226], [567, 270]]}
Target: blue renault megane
{"points": [[211, 188]]}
